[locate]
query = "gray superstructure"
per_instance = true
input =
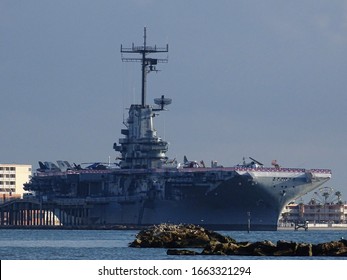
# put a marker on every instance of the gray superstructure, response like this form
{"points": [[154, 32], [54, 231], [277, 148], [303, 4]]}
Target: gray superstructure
{"points": [[149, 188]]}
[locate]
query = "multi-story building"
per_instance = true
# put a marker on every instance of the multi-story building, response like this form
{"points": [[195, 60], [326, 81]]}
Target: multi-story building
{"points": [[316, 213], [12, 178], [325, 208]]}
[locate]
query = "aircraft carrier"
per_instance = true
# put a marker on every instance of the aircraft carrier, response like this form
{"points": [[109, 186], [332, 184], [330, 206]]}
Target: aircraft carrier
{"points": [[145, 187]]}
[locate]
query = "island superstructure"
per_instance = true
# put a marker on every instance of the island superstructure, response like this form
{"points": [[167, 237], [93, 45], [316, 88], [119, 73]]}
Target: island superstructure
{"points": [[148, 188]]}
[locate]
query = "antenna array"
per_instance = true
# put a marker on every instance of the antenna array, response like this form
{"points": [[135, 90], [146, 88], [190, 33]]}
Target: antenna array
{"points": [[148, 64]]}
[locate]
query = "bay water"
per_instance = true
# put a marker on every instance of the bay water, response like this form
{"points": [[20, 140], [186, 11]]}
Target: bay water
{"points": [[34, 244]]}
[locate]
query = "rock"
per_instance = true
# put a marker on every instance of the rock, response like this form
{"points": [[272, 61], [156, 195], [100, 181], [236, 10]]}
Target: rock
{"points": [[218, 248], [260, 248], [263, 248], [181, 252], [285, 248], [177, 236], [333, 248], [303, 249]]}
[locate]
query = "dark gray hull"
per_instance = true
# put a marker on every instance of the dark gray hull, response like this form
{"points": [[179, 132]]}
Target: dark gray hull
{"points": [[222, 199]]}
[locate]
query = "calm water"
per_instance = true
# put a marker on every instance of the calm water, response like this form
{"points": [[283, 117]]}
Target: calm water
{"points": [[113, 245]]}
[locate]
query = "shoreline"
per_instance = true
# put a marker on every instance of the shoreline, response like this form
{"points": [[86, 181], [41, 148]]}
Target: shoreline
{"points": [[313, 227]]}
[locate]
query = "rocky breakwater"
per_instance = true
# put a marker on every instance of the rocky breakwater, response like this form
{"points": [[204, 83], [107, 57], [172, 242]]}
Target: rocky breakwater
{"points": [[177, 236], [181, 236], [281, 248]]}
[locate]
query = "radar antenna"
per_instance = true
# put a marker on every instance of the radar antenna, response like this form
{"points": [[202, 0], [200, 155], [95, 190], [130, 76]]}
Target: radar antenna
{"points": [[162, 102], [148, 64]]}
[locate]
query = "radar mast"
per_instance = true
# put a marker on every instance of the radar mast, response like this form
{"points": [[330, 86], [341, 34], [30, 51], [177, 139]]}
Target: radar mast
{"points": [[148, 64]]}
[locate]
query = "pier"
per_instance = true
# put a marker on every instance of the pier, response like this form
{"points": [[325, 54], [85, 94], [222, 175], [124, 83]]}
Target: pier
{"points": [[32, 212], [301, 224]]}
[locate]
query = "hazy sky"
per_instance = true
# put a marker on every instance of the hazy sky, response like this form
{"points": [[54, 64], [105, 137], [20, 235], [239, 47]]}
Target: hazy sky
{"points": [[265, 79]]}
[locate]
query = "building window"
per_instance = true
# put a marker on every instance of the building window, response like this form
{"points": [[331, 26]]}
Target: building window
{"points": [[12, 168]]}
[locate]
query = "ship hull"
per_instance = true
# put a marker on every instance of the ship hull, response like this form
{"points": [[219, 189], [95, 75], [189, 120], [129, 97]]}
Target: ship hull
{"points": [[233, 217], [236, 200]]}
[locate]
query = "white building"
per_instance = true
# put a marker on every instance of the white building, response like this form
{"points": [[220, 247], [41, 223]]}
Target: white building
{"points": [[328, 213], [12, 179]]}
